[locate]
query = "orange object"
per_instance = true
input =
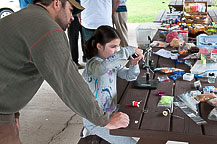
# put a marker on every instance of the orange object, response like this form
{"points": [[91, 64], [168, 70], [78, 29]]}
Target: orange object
{"points": [[183, 51]]}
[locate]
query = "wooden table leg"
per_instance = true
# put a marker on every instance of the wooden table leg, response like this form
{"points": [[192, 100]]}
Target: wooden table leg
{"points": [[151, 141]]}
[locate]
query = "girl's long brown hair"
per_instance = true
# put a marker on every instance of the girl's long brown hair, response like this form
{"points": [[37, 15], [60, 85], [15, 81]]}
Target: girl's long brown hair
{"points": [[103, 35]]}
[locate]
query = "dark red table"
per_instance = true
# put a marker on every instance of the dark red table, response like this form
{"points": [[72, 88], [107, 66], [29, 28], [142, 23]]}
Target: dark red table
{"points": [[147, 121]]}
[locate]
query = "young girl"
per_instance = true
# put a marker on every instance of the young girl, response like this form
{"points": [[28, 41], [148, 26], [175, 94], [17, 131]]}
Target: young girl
{"points": [[104, 65]]}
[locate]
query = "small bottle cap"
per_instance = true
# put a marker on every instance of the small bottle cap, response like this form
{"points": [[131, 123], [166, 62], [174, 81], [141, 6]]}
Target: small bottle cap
{"points": [[211, 74]]}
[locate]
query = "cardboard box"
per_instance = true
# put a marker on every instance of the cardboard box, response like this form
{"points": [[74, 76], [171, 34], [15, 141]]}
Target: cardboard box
{"points": [[195, 12], [195, 7]]}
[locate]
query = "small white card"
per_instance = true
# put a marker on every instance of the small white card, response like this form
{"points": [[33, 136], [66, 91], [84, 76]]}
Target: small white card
{"points": [[164, 53]]}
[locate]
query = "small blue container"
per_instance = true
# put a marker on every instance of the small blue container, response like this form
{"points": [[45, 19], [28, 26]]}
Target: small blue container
{"points": [[207, 41]]}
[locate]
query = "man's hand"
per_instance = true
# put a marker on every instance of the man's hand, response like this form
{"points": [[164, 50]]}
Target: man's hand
{"points": [[118, 120], [115, 4], [17, 123], [17, 115]]}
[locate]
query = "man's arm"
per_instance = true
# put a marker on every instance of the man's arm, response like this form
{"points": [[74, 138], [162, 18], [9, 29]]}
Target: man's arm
{"points": [[52, 58], [79, 17], [115, 5]]}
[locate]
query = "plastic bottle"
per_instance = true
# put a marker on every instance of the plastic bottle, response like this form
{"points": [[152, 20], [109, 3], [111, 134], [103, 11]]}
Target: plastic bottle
{"points": [[183, 34], [211, 78]]}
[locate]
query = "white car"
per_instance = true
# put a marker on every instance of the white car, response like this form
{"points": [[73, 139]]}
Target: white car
{"points": [[8, 6]]}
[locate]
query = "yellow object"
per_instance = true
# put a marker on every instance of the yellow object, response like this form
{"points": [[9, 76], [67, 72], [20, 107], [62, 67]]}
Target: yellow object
{"points": [[196, 28]]}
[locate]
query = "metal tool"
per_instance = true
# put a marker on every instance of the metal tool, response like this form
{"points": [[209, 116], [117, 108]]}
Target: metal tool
{"points": [[147, 83]]}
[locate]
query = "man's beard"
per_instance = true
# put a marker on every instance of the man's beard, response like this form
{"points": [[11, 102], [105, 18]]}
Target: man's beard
{"points": [[60, 19]]}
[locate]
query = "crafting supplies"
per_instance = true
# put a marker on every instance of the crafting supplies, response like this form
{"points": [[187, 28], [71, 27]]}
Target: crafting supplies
{"points": [[163, 78], [205, 97], [188, 76], [166, 112], [160, 93], [189, 101], [211, 77], [165, 105], [197, 85], [176, 75], [167, 69], [136, 103], [190, 113]]}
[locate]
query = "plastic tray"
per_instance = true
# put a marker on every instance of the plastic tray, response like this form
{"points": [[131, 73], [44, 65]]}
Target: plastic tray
{"points": [[207, 41], [199, 67]]}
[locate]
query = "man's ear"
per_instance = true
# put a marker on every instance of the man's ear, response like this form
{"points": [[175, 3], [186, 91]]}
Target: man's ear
{"points": [[56, 4], [99, 46]]}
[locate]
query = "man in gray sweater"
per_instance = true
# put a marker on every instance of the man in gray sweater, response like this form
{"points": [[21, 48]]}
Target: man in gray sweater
{"points": [[34, 48]]}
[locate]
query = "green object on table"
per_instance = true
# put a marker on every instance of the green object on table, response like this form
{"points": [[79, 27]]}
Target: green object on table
{"points": [[166, 100], [187, 8]]}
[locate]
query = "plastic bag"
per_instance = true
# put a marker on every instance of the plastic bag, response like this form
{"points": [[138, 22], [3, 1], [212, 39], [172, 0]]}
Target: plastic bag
{"points": [[205, 97], [158, 44], [167, 69], [165, 101], [163, 78], [213, 115], [212, 102], [189, 101], [176, 75]]}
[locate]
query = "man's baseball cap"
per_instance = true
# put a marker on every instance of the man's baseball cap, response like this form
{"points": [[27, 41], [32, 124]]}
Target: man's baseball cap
{"points": [[77, 8]]}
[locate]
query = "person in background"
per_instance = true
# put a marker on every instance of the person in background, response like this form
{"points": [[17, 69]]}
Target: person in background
{"points": [[24, 3], [105, 64], [120, 21], [73, 35], [96, 13], [34, 47]]}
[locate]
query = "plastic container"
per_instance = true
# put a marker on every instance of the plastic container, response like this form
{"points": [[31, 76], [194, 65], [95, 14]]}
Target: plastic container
{"points": [[211, 78], [142, 33], [188, 76], [199, 67], [183, 34], [208, 55], [162, 35], [207, 41]]}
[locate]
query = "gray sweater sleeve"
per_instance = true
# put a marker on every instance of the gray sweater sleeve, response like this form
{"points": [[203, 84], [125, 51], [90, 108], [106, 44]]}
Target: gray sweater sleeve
{"points": [[129, 74], [102, 66], [51, 55]]}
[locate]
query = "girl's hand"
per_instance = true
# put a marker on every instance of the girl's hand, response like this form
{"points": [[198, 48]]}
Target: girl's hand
{"points": [[139, 53]]}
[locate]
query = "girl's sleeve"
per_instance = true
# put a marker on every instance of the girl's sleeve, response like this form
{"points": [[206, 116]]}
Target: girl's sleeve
{"points": [[99, 66], [129, 74]]}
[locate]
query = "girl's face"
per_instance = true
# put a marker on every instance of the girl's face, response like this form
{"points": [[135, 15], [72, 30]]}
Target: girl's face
{"points": [[109, 49]]}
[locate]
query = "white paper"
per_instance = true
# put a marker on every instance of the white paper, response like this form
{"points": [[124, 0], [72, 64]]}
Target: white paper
{"points": [[164, 53]]}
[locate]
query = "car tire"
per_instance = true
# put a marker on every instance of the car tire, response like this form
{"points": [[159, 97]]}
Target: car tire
{"points": [[5, 12]]}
